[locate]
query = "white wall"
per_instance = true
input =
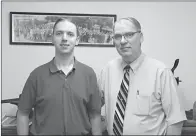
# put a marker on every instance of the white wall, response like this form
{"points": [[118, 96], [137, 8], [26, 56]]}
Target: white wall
{"points": [[169, 33]]}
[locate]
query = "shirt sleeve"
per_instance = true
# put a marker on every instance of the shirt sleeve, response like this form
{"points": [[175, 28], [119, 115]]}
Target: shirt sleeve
{"points": [[101, 86], [94, 103], [170, 98], [27, 98]]}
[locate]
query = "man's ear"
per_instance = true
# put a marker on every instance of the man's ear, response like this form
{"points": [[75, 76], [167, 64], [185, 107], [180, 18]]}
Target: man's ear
{"points": [[53, 39], [141, 38]]}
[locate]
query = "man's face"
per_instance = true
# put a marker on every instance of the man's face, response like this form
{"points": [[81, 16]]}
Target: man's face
{"points": [[65, 37], [129, 45]]}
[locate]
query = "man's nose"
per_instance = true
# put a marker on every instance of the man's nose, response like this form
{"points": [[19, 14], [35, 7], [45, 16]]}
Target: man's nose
{"points": [[123, 39], [64, 37]]}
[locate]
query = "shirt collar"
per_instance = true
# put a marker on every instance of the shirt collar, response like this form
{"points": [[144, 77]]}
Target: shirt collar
{"points": [[53, 68], [135, 64]]}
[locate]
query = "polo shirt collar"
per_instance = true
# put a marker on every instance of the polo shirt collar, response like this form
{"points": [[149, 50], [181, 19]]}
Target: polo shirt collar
{"points": [[53, 68], [135, 64], [75, 63]]}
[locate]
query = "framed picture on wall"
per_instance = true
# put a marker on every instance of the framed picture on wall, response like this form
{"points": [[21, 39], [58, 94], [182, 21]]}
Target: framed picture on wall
{"points": [[32, 28]]}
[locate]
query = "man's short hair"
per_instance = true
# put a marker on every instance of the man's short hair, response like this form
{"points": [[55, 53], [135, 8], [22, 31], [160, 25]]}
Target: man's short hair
{"points": [[132, 20], [68, 20]]}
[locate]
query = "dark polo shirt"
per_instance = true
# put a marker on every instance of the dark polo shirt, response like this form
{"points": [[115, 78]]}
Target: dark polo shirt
{"points": [[61, 103]]}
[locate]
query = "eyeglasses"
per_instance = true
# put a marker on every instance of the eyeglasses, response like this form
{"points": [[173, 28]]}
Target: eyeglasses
{"points": [[127, 36]]}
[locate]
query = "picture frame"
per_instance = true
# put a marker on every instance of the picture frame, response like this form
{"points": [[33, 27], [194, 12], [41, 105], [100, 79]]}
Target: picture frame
{"points": [[33, 28]]}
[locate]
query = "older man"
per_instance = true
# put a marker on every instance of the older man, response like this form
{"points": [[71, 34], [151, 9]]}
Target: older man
{"points": [[140, 92]]}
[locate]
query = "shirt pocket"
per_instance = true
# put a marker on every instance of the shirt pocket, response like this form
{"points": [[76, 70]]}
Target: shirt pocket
{"points": [[141, 105]]}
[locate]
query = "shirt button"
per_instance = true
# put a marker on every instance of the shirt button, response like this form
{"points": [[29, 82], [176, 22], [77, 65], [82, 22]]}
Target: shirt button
{"points": [[65, 87]]}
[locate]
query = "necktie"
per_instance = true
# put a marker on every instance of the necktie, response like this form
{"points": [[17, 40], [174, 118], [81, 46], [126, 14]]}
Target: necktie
{"points": [[121, 103]]}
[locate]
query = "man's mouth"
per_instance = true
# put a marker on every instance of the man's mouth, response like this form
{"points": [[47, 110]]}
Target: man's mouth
{"points": [[64, 45], [124, 48]]}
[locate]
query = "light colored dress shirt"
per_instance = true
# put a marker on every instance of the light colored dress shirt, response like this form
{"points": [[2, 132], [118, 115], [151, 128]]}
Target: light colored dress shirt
{"points": [[153, 103]]}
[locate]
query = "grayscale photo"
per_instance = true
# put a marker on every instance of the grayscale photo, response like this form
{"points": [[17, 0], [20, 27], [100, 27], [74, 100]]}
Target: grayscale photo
{"points": [[98, 67]]}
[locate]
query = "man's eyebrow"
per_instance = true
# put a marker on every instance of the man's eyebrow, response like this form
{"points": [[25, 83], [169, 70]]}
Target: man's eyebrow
{"points": [[64, 31], [59, 31], [70, 32]]}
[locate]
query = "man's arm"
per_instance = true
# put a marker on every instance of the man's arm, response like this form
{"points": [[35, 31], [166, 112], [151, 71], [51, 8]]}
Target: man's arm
{"points": [[94, 106], [175, 129], [172, 106], [25, 104], [102, 98], [95, 119], [22, 123]]}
